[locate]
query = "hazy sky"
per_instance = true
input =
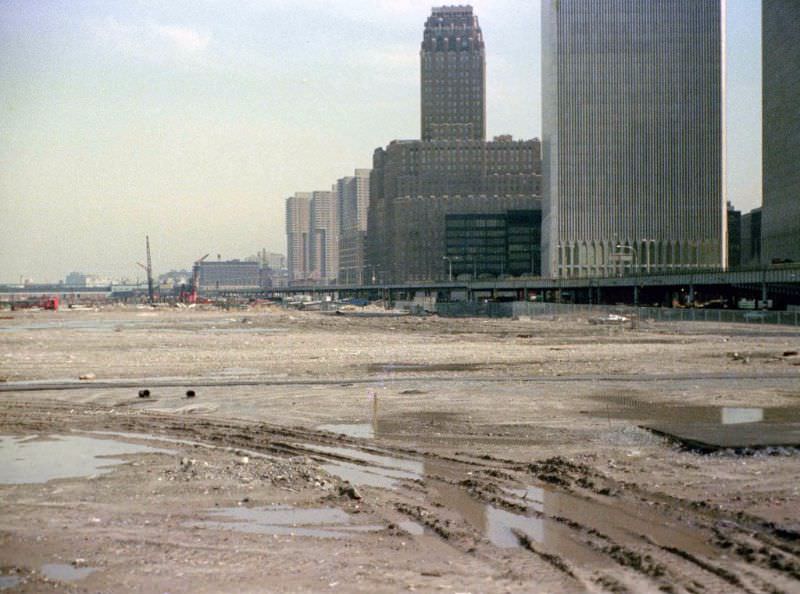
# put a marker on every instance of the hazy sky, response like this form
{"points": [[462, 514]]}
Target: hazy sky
{"points": [[193, 120]]}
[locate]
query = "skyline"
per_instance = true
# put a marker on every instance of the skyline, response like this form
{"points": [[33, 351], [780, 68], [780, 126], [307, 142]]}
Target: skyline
{"points": [[193, 125]]}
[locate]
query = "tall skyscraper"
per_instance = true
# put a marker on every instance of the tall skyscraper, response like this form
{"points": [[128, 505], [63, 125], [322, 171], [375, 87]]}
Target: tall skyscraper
{"points": [[353, 199], [298, 225], [452, 202], [781, 135], [633, 141], [453, 72]]}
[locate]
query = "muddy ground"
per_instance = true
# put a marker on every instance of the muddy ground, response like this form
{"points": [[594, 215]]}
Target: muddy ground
{"points": [[336, 453]]}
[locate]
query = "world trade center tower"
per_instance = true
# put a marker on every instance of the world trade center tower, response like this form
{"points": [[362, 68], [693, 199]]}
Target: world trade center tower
{"points": [[633, 136]]}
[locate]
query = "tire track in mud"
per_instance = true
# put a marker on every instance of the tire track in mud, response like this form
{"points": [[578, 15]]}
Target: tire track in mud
{"points": [[597, 533]]}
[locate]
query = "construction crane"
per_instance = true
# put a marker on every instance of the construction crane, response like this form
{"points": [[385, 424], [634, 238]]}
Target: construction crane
{"points": [[149, 270], [196, 278]]}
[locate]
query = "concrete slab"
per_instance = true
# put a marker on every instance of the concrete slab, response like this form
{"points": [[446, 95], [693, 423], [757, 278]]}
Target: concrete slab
{"points": [[709, 437]]}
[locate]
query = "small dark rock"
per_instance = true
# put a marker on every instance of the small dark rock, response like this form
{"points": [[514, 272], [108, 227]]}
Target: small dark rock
{"points": [[144, 393], [350, 491], [190, 394], [789, 353]]}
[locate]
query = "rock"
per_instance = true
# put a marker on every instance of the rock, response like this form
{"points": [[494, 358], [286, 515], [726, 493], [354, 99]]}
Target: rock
{"points": [[789, 353], [144, 393], [87, 376], [79, 562], [243, 460], [190, 394], [350, 491]]}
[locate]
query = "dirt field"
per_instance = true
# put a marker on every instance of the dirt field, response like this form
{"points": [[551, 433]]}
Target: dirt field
{"points": [[338, 454]]}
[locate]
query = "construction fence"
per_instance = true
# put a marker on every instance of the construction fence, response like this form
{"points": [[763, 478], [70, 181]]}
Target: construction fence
{"points": [[659, 314]]}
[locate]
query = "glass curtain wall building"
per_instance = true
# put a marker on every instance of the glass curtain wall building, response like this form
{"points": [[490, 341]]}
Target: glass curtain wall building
{"points": [[633, 139], [501, 244]]}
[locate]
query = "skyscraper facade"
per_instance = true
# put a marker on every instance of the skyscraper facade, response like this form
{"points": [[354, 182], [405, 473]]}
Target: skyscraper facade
{"points": [[633, 136], [453, 70], [298, 226], [781, 134], [353, 200], [324, 234], [417, 186]]}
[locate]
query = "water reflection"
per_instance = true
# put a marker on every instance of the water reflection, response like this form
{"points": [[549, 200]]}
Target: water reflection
{"points": [[63, 572], [8, 581], [623, 522], [40, 459], [734, 416]]}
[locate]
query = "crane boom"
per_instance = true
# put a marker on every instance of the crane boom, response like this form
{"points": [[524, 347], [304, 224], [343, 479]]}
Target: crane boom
{"points": [[196, 278], [149, 269]]}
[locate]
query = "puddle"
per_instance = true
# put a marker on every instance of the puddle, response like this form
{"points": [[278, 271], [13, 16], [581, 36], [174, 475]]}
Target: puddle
{"points": [[622, 522], [368, 476], [323, 522], [35, 459], [423, 423], [413, 528], [8, 581], [500, 527], [63, 572], [390, 462], [186, 442], [358, 430], [370, 470], [708, 428], [542, 523]]}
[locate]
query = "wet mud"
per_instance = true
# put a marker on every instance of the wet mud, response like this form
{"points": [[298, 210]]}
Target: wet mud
{"points": [[482, 456], [590, 529]]}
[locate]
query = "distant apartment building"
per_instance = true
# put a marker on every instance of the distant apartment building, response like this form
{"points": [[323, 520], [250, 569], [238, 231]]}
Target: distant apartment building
{"points": [[734, 237], [633, 139], [75, 279], [417, 184], [79, 279], [353, 200], [324, 256], [227, 275], [781, 130], [267, 259], [750, 253], [298, 238], [312, 238], [273, 268]]}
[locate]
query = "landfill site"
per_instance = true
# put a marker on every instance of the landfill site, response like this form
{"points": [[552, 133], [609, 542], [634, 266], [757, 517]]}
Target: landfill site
{"points": [[266, 449]]}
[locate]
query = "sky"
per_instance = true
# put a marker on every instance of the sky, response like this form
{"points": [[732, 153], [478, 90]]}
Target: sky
{"points": [[193, 120]]}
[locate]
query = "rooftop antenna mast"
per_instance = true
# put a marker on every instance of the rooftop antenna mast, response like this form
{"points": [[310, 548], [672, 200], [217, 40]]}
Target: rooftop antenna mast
{"points": [[149, 270]]}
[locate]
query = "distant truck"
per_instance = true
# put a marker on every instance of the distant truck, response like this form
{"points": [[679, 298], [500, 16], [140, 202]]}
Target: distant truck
{"points": [[754, 304], [43, 302]]}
